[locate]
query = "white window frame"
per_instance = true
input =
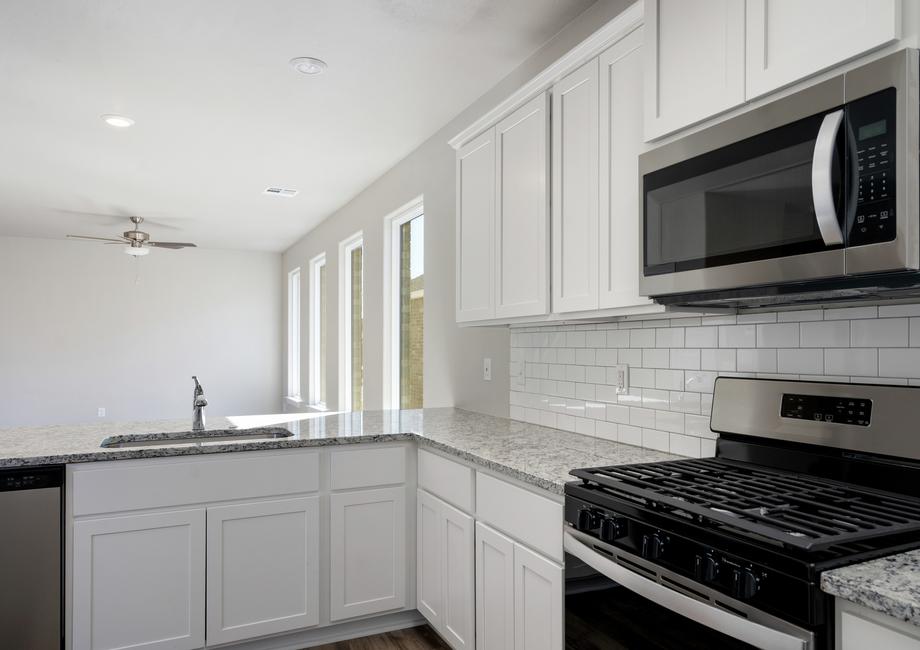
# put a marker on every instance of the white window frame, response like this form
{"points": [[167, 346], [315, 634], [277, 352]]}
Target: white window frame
{"points": [[346, 247], [293, 335], [392, 222], [316, 370]]}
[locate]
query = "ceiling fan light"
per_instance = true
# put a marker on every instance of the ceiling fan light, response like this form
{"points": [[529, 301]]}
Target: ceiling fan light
{"points": [[136, 251]]}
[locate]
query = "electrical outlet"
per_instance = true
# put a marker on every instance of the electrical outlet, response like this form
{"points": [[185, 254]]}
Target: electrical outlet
{"points": [[621, 372], [100, 412], [487, 369]]}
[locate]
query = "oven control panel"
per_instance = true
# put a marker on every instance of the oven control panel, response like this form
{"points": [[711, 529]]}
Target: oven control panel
{"points": [[821, 408]]}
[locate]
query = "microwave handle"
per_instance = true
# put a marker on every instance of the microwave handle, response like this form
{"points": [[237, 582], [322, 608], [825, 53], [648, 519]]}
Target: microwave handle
{"points": [[735, 626], [822, 188]]}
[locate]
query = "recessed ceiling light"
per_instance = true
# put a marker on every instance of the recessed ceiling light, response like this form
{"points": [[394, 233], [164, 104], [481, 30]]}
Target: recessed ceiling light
{"points": [[308, 65], [118, 121]]}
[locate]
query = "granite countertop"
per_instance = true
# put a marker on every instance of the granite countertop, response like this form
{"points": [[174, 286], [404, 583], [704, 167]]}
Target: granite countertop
{"points": [[890, 585], [536, 455]]}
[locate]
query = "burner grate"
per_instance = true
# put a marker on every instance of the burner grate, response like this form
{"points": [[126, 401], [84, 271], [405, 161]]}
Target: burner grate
{"points": [[796, 510]]}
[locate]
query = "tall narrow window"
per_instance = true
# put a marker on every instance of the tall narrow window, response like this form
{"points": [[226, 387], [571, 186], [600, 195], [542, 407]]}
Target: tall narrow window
{"points": [[404, 378], [318, 330], [351, 319], [293, 357]]}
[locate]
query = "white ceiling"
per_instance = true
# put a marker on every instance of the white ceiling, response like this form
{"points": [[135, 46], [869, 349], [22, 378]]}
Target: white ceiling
{"points": [[220, 115]]}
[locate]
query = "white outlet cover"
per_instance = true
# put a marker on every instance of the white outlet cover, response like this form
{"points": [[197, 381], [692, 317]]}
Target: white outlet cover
{"points": [[487, 369], [622, 378], [100, 412]]}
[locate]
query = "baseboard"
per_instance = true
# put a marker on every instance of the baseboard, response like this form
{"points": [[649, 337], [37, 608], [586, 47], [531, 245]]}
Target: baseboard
{"points": [[333, 633]]}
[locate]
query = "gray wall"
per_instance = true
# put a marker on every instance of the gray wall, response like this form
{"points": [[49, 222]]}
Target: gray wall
{"points": [[80, 329], [453, 356]]}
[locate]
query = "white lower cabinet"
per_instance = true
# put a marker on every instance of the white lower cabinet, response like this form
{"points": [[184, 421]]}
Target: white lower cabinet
{"points": [[262, 561], [494, 590], [858, 628], [444, 569], [367, 552], [138, 581], [519, 595]]}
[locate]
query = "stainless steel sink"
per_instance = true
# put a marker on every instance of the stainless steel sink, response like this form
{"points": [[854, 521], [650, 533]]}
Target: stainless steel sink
{"points": [[188, 438]]}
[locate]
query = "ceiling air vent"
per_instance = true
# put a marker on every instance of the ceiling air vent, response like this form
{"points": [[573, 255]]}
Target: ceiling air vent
{"points": [[280, 191]]}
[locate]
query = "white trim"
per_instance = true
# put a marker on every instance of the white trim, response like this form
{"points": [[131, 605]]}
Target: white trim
{"points": [[315, 371], [293, 335], [391, 223], [622, 24], [346, 247]]}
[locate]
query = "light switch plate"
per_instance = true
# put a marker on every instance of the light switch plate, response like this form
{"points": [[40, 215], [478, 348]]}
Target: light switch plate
{"points": [[487, 369], [621, 374]]}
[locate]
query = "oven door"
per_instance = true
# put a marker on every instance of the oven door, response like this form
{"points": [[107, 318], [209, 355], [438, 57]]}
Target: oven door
{"points": [[612, 607]]}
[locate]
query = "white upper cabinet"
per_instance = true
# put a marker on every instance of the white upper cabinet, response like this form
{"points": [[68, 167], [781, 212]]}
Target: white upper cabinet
{"points": [[788, 40], [620, 83], [575, 190], [694, 61], [475, 228], [522, 211]]}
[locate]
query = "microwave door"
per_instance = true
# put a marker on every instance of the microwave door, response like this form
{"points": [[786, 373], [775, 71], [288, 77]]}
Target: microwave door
{"points": [[762, 211]]}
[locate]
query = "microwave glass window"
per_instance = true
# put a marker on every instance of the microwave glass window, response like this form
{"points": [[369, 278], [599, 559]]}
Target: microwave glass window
{"points": [[751, 200]]}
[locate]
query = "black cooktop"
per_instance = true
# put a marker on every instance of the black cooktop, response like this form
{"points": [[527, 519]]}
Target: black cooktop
{"points": [[801, 512]]}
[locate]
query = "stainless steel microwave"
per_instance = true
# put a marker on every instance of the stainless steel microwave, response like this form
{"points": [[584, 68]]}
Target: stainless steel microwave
{"points": [[811, 197]]}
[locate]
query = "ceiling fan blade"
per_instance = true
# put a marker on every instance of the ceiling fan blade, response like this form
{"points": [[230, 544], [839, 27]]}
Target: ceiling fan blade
{"points": [[105, 239], [171, 244]]}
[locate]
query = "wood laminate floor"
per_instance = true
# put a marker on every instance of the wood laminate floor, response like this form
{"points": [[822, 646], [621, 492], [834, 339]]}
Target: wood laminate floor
{"points": [[414, 638]]}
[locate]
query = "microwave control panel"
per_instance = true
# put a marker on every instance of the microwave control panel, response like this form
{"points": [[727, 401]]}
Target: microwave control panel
{"points": [[871, 123]]}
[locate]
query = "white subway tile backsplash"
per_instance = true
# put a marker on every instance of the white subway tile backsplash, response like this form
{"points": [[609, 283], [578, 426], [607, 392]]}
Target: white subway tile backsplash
{"points": [[826, 334], [684, 445], [669, 337], [800, 360], [685, 359], [800, 315], [756, 360], [669, 379], [642, 338], [851, 313], [899, 363], [655, 358], [737, 336], [669, 421], [617, 338], [718, 359], [702, 337], [879, 333], [564, 376], [778, 335], [851, 361], [659, 440]]}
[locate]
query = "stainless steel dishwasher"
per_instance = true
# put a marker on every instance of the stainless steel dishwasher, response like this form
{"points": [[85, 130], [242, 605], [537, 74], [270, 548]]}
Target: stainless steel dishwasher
{"points": [[31, 558]]}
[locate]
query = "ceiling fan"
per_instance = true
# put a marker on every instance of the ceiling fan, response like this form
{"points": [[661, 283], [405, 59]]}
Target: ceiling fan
{"points": [[137, 241]]}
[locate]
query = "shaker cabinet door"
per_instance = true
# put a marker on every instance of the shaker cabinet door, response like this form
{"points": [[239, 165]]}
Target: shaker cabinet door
{"points": [[694, 62], [494, 590], [139, 581], [263, 574], [788, 41]]}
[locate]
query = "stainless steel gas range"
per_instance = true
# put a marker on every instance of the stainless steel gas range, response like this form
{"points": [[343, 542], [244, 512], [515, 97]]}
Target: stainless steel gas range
{"points": [[727, 552]]}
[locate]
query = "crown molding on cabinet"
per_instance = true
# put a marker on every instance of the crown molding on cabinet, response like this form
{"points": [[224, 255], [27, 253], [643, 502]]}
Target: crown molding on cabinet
{"points": [[621, 25]]}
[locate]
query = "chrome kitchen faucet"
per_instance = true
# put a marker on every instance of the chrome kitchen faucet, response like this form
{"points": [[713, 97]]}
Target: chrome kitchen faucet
{"points": [[198, 404]]}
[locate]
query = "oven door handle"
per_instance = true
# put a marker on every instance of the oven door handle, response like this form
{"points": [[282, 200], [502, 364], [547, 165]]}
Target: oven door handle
{"points": [[822, 186], [735, 626]]}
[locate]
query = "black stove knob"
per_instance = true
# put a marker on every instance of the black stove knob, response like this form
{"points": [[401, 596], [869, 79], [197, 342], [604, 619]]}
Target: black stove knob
{"points": [[706, 568], [745, 584], [612, 528], [586, 521], [653, 546]]}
